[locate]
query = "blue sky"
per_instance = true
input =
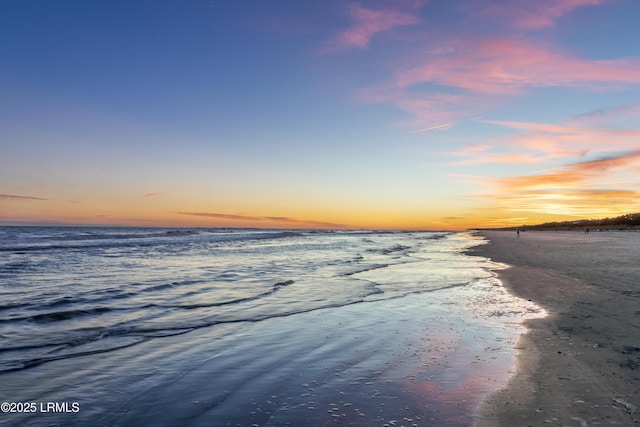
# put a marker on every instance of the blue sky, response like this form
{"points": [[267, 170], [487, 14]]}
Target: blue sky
{"points": [[373, 114]]}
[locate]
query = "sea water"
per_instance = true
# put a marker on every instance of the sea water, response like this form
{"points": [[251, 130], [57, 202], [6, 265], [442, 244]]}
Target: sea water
{"points": [[245, 326]]}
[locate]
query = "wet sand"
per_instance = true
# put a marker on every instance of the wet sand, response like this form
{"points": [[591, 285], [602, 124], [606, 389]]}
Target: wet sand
{"points": [[580, 365]]}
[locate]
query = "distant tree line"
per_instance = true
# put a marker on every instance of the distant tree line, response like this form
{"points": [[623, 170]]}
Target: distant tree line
{"points": [[621, 222]]}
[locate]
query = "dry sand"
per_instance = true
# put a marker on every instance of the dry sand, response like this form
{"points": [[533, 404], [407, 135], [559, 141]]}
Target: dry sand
{"points": [[579, 366]]}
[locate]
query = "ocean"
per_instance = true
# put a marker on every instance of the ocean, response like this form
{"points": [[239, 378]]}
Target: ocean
{"points": [[149, 326]]}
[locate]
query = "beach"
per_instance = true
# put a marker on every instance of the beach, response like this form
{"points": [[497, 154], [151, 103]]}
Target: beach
{"points": [[580, 365], [269, 328]]}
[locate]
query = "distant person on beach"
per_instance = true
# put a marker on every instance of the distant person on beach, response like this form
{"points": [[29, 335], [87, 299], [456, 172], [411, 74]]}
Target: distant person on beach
{"points": [[518, 232]]}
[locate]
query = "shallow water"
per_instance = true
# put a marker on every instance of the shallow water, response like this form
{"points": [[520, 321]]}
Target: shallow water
{"points": [[242, 327]]}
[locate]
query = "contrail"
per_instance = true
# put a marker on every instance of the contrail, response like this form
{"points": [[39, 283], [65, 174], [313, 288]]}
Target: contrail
{"points": [[444, 126]]}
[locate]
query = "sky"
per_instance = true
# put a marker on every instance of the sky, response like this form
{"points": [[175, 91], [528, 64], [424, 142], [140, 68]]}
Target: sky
{"points": [[382, 114]]}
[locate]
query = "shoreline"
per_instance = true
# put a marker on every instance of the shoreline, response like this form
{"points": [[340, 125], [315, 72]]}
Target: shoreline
{"points": [[580, 365]]}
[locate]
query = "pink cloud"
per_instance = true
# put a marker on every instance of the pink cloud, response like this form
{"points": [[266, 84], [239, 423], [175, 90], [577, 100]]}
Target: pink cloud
{"points": [[532, 15], [466, 75], [502, 66], [483, 73], [366, 24], [476, 154], [433, 109], [159, 193], [484, 58], [514, 158], [564, 140], [568, 130], [572, 139]]}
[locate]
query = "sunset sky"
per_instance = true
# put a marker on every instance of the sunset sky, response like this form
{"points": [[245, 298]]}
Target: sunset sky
{"points": [[421, 114]]}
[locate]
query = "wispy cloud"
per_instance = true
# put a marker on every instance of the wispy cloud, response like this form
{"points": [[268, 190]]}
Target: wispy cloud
{"points": [[509, 158], [563, 129], [306, 222], [17, 198], [223, 216], [531, 15], [148, 195], [367, 22], [567, 140], [521, 149], [505, 67], [425, 108], [164, 193], [607, 163], [601, 115], [266, 219]]}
